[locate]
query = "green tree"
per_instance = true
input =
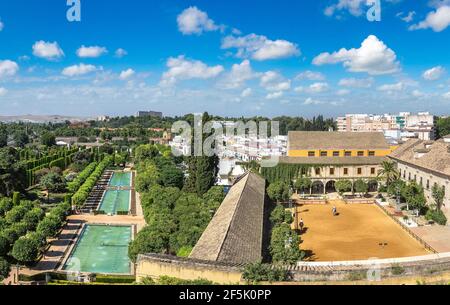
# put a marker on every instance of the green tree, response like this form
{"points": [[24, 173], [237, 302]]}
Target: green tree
{"points": [[303, 184], [21, 138], [279, 216], [361, 186], [49, 226], [343, 186], [145, 152], [258, 272], [25, 250], [148, 176], [414, 196], [278, 191], [48, 139], [285, 245], [389, 172], [4, 246], [5, 269], [443, 127], [3, 136], [438, 196], [52, 183]]}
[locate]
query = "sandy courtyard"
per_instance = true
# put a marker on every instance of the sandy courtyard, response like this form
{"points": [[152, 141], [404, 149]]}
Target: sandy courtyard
{"points": [[359, 232]]}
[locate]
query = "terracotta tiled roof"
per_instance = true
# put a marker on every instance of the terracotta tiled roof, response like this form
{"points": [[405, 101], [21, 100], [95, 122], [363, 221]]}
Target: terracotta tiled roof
{"points": [[312, 140], [435, 157], [235, 234]]}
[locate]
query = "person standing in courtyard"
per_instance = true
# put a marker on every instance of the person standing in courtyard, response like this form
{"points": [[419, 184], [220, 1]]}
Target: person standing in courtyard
{"points": [[302, 225]]}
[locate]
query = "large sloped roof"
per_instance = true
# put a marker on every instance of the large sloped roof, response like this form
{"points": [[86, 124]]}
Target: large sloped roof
{"points": [[235, 234], [318, 140], [434, 156]]}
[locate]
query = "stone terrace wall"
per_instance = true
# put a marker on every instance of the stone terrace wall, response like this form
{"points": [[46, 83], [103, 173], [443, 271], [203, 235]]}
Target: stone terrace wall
{"points": [[154, 266]]}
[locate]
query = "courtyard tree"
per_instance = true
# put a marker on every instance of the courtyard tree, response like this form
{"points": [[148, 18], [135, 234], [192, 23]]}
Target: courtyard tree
{"points": [[343, 186], [361, 187], [389, 172], [438, 193], [4, 246], [303, 184], [278, 191], [280, 215]]}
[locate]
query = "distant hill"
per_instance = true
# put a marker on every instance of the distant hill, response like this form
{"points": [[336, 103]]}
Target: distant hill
{"points": [[41, 119]]}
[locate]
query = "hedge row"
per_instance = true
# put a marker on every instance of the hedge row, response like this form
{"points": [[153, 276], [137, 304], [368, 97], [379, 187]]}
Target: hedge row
{"points": [[74, 185], [47, 159], [83, 192]]}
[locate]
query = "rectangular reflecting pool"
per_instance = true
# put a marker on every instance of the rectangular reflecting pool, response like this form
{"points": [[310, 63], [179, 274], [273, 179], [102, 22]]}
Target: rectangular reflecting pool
{"points": [[101, 249], [115, 201], [120, 179]]}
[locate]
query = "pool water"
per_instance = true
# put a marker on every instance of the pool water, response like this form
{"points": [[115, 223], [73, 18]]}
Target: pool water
{"points": [[120, 179], [101, 249], [115, 201]]}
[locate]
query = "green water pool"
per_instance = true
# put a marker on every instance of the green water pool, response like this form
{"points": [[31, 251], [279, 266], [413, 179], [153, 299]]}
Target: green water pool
{"points": [[120, 179], [115, 201], [101, 249]]}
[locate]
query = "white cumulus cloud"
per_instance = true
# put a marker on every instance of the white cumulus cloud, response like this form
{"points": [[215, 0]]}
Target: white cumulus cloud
{"points": [[91, 52], [239, 74], [8, 68], [437, 20], [274, 95], [120, 53], [392, 87], [194, 21], [354, 7], [273, 81], [373, 57], [247, 92], [310, 75], [181, 68], [260, 48], [47, 50], [126, 74], [434, 73], [78, 70]]}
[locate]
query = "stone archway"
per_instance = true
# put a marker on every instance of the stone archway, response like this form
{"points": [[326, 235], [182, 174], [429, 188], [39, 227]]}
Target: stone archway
{"points": [[330, 187], [373, 186], [317, 188]]}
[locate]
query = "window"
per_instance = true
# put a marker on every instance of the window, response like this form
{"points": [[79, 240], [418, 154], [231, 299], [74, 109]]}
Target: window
{"points": [[318, 171], [409, 176], [371, 154], [324, 154], [359, 171], [346, 171], [421, 181], [373, 171], [335, 154], [428, 184], [360, 154], [331, 171], [311, 154], [348, 153]]}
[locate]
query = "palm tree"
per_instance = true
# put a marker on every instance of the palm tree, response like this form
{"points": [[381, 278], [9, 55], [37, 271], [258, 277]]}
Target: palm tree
{"points": [[389, 172]]}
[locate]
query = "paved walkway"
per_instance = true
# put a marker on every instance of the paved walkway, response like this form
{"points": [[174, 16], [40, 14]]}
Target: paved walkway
{"points": [[436, 236], [57, 250]]}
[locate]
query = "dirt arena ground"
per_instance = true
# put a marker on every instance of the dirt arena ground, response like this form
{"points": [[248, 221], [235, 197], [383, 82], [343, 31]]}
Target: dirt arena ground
{"points": [[359, 232]]}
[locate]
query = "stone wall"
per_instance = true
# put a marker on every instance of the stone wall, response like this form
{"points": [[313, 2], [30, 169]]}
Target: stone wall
{"points": [[154, 266]]}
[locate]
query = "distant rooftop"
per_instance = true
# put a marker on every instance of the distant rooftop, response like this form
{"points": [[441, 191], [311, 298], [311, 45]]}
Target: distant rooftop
{"points": [[318, 140]]}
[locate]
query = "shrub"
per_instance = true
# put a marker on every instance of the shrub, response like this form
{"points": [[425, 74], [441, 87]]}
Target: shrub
{"points": [[184, 251], [397, 270], [437, 216], [5, 269], [258, 272], [25, 250]]}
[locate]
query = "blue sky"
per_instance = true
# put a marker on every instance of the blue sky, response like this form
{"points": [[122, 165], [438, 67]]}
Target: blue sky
{"points": [[231, 57]]}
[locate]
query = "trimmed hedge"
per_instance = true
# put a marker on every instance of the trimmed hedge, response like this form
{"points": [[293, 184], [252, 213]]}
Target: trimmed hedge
{"points": [[83, 192], [81, 178]]}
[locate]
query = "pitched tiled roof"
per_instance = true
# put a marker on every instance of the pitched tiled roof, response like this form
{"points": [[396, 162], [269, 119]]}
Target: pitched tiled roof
{"points": [[235, 234], [434, 157], [318, 140]]}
